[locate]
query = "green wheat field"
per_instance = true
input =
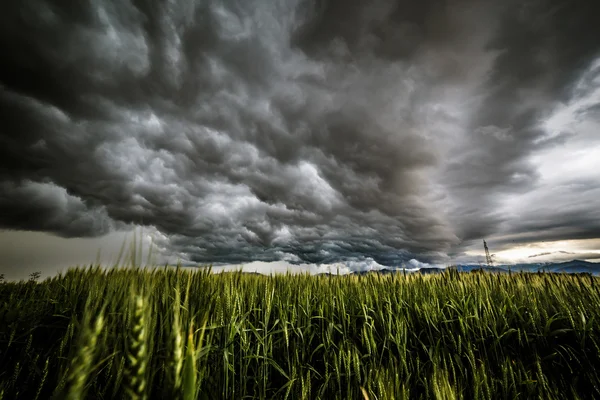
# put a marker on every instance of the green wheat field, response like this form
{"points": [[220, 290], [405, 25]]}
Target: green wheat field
{"points": [[172, 333]]}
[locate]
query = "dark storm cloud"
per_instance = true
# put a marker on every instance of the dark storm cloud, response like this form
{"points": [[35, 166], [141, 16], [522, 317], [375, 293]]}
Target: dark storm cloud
{"points": [[43, 206], [542, 48], [544, 221], [295, 130]]}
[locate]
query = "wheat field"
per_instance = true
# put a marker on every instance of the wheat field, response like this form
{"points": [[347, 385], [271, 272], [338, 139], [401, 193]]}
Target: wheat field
{"points": [[171, 333]]}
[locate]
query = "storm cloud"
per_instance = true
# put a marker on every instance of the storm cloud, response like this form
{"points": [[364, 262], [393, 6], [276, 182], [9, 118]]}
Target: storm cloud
{"points": [[302, 131]]}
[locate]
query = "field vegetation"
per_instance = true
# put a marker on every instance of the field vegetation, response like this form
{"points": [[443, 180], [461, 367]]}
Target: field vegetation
{"points": [[172, 333]]}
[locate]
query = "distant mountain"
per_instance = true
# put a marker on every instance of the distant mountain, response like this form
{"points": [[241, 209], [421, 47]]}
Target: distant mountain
{"points": [[571, 267], [574, 267]]}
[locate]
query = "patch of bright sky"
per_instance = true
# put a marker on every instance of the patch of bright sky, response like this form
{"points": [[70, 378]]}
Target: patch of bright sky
{"points": [[550, 251], [577, 115], [579, 121], [570, 163], [342, 268], [282, 267]]}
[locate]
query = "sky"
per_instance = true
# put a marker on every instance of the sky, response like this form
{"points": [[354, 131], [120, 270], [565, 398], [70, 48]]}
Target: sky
{"points": [[301, 134]]}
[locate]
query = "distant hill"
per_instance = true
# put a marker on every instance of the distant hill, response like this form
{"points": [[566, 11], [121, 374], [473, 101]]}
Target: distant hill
{"points": [[571, 267]]}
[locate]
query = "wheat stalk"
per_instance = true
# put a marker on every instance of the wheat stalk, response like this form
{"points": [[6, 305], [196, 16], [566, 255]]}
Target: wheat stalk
{"points": [[178, 345], [81, 364], [137, 353]]}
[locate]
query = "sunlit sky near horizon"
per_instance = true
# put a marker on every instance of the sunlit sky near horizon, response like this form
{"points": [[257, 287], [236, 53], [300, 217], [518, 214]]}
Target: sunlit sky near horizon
{"points": [[32, 252], [299, 134]]}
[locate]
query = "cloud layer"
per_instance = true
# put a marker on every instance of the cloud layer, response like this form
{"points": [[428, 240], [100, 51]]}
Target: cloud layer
{"points": [[307, 132]]}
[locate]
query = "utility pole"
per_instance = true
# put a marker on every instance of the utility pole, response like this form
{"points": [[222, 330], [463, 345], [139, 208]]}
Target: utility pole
{"points": [[488, 258]]}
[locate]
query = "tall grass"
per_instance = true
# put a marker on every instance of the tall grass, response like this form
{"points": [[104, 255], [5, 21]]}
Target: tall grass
{"points": [[177, 334]]}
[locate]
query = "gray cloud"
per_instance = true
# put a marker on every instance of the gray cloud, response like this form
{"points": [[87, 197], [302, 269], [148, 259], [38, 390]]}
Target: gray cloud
{"points": [[287, 130]]}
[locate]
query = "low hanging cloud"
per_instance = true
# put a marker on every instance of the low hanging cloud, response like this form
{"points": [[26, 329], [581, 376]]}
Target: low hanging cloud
{"points": [[299, 131]]}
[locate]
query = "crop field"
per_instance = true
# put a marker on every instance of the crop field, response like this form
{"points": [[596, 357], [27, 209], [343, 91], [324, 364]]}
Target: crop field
{"points": [[169, 333]]}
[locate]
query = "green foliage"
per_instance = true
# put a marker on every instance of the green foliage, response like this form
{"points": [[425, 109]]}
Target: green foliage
{"points": [[180, 334], [34, 276]]}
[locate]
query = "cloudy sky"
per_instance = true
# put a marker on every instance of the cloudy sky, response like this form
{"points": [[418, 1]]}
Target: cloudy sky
{"points": [[302, 132]]}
